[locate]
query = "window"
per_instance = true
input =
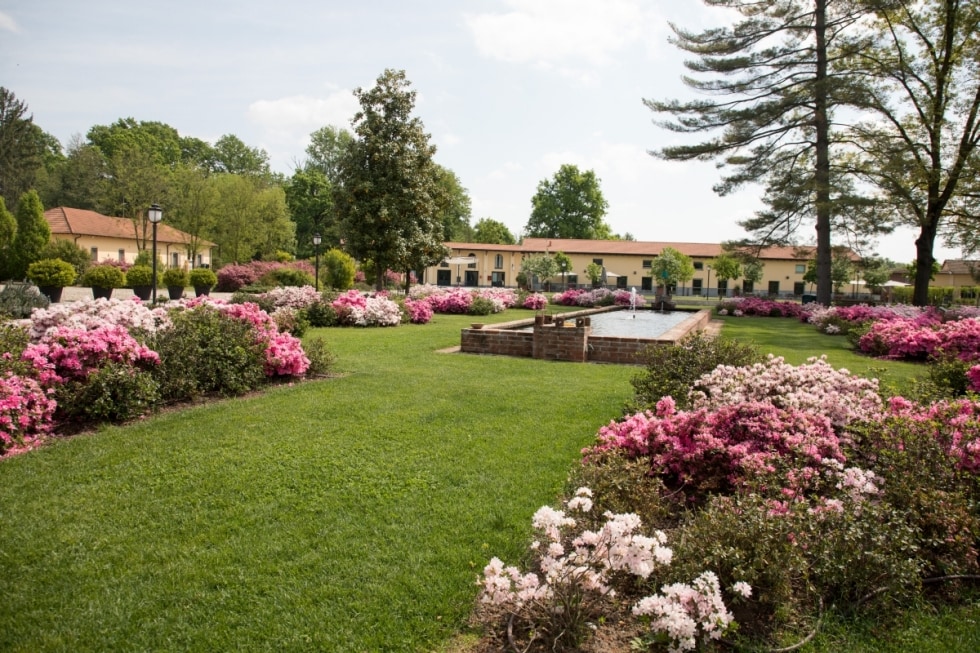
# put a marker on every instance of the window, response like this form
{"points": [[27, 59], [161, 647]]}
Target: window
{"points": [[444, 264], [471, 266], [696, 287], [597, 261], [698, 265], [773, 287], [747, 287], [122, 256], [800, 268], [723, 287], [498, 261], [497, 279], [621, 282], [798, 288], [648, 263], [95, 253], [646, 283], [174, 260]]}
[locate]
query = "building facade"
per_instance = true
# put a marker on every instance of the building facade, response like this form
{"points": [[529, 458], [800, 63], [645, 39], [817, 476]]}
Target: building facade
{"points": [[627, 264], [109, 238]]}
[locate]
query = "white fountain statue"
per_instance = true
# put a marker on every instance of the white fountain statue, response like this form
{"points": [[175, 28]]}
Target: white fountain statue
{"points": [[633, 301]]}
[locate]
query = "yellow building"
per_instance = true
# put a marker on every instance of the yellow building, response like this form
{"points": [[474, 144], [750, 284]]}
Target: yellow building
{"points": [[627, 265], [116, 238]]}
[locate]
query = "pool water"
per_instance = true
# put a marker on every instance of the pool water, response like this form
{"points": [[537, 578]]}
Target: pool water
{"points": [[641, 324]]}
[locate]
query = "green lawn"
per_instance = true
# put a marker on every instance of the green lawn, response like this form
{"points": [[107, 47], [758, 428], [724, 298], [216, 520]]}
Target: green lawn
{"points": [[350, 514]]}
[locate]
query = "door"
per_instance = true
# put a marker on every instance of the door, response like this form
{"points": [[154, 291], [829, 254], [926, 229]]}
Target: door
{"points": [[444, 278], [472, 278]]}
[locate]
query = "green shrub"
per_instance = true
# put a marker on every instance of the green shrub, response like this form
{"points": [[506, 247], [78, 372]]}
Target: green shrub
{"points": [[51, 272], [672, 370], [144, 258], [104, 276], [290, 320], [481, 306], [287, 277], [321, 359], [115, 392], [79, 257], [176, 278], [246, 295], [338, 269], [13, 340], [321, 314], [17, 300], [203, 278], [139, 275], [207, 352]]}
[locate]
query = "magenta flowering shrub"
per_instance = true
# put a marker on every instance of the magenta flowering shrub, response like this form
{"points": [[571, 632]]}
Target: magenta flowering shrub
{"points": [[815, 387], [284, 356], [71, 354], [502, 298], [234, 277], [973, 375], [722, 449], [295, 297], [760, 307], [922, 338], [419, 310], [453, 301], [535, 302], [625, 298], [26, 412], [954, 425], [586, 298]]}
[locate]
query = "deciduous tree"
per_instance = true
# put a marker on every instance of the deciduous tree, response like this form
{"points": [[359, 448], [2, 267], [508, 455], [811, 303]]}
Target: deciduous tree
{"points": [[671, 267], [493, 232], [569, 205]]}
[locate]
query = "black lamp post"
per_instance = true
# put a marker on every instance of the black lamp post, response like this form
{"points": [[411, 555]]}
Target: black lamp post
{"points": [[154, 215], [316, 245]]}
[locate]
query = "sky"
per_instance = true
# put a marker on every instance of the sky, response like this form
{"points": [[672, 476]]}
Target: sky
{"points": [[509, 90]]}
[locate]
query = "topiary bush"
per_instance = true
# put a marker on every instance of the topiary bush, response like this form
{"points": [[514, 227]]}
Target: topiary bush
{"points": [[481, 306], [104, 276], [66, 250], [203, 278], [139, 275], [51, 272], [671, 371], [176, 278]]}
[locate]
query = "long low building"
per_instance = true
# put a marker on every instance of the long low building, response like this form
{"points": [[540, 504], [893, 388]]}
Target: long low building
{"points": [[627, 264]]}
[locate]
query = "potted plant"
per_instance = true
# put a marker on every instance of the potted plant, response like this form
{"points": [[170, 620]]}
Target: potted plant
{"points": [[175, 279], [140, 279], [102, 279], [51, 275], [203, 281]]}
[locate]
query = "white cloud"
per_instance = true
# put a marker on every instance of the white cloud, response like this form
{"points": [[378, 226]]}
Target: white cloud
{"points": [[551, 33], [8, 23], [292, 119]]}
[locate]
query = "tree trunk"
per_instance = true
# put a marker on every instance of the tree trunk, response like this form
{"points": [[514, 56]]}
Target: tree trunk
{"points": [[822, 172], [924, 245], [379, 281]]}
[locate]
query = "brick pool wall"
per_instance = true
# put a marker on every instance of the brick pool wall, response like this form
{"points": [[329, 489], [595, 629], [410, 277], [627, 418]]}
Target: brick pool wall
{"points": [[570, 342]]}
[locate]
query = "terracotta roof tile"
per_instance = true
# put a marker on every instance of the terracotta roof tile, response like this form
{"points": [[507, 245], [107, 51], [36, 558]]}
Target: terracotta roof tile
{"points": [[81, 222]]}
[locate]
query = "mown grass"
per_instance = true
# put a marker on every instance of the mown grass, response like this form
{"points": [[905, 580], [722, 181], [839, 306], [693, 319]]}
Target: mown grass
{"points": [[350, 514]]}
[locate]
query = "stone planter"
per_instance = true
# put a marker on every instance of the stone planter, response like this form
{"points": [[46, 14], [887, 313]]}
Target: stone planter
{"points": [[101, 293], [53, 293], [143, 292], [176, 292], [202, 290]]}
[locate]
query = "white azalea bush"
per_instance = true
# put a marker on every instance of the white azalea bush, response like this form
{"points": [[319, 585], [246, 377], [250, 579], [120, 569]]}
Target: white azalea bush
{"points": [[575, 574]]}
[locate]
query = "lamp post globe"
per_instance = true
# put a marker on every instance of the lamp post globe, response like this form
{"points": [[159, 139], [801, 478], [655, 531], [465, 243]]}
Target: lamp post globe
{"points": [[317, 239], [154, 214]]}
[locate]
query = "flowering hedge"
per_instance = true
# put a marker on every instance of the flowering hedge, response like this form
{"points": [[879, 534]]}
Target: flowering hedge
{"points": [[815, 386], [355, 308], [587, 298], [922, 338], [757, 306], [419, 310], [71, 354], [535, 302], [26, 412], [459, 301]]}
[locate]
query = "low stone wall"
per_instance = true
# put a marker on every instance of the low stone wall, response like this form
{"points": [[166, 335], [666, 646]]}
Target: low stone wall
{"points": [[569, 340]]}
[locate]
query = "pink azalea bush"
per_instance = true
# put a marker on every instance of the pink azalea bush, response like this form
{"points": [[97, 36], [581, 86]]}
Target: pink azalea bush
{"points": [[586, 298], [295, 297], [132, 314], [973, 375], [355, 308], [66, 353], [722, 449], [232, 278], [419, 310], [625, 298], [758, 306], [815, 387], [954, 424], [922, 338], [26, 412], [535, 302]]}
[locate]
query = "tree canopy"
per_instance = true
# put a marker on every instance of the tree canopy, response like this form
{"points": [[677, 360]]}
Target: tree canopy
{"points": [[672, 267], [493, 232], [569, 205], [387, 197], [22, 148]]}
